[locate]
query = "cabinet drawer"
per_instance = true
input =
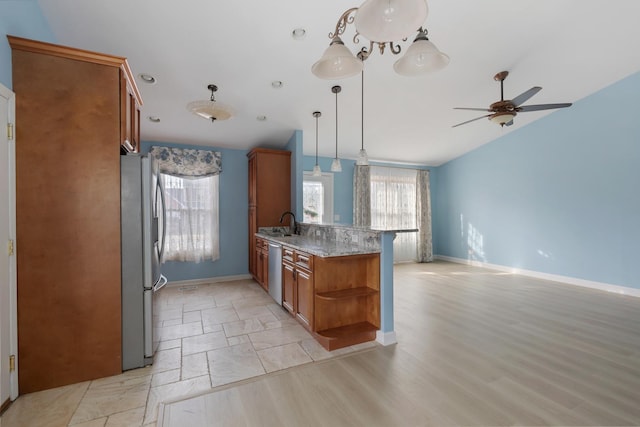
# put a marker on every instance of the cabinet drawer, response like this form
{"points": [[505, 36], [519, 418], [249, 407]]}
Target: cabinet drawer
{"points": [[304, 261], [287, 254]]}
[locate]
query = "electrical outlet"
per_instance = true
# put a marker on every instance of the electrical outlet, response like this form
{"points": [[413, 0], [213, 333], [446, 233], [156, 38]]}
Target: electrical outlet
{"points": [[354, 238]]}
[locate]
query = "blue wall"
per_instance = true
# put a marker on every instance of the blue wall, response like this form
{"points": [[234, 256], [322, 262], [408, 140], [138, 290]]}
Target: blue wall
{"points": [[21, 18], [559, 196], [233, 220]]}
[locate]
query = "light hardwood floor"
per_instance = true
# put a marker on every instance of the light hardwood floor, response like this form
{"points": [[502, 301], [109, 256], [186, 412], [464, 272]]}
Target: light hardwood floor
{"points": [[476, 347]]}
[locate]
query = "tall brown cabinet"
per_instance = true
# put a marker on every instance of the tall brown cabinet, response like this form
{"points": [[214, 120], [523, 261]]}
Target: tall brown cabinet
{"points": [[269, 195], [74, 109]]}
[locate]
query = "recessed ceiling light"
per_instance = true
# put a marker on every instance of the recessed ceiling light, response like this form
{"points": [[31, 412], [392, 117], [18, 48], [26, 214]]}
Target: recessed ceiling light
{"points": [[261, 118], [298, 33], [276, 84], [154, 119], [147, 78]]}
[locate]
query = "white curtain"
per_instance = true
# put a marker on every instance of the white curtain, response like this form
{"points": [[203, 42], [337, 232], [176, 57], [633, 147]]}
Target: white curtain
{"points": [[393, 206], [192, 218]]}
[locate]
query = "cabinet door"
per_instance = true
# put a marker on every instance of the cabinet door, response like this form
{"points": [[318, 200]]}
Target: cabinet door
{"points": [[288, 287], [252, 240], [265, 269], [259, 263], [304, 298]]}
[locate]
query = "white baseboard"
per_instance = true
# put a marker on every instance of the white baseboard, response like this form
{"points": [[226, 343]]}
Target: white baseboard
{"points": [[194, 282], [623, 290], [386, 338]]}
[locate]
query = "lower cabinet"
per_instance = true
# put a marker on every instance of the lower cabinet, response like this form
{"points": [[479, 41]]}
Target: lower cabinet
{"points": [[335, 298], [297, 281], [261, 257]]}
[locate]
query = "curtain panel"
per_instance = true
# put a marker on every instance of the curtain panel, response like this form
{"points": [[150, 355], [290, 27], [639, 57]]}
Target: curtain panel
{"points": [[362, 196], [423, 202], [187, 163]]}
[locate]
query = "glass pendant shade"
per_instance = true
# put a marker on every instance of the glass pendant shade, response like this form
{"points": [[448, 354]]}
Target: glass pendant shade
{"points": [[363, 159], [336, 166], [317, 171], [422, 57], [337, 62], [390, 20], [211, 110]]}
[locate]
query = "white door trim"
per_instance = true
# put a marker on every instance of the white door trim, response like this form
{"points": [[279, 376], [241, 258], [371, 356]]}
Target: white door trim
{"points": [[9, 97]]}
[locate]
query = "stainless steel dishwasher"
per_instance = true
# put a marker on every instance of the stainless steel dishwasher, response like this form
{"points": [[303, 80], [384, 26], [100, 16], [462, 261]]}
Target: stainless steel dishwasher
{"points": [[275, 271]]}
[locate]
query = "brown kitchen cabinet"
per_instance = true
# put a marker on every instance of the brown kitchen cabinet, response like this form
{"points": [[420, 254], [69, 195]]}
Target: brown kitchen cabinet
{"points": [[71, 120], [336, 298], [262, 263], [297, 282], [269, 194]]}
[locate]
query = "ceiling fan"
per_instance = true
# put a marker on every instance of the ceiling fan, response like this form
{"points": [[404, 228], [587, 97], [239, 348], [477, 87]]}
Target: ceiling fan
{"points": [[502, 112]]}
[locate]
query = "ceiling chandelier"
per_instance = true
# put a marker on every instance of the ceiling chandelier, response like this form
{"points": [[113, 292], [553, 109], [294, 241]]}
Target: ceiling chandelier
{"points": [[210, 109], [384, 23]]}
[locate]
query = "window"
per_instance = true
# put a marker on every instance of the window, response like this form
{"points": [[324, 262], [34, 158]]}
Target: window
{"points": [[192, 232], [317, 198], [393, 206]]}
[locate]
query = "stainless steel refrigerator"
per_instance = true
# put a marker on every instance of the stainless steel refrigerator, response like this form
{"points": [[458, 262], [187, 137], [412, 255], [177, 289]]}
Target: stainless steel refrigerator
{"points": [[142, 238]]}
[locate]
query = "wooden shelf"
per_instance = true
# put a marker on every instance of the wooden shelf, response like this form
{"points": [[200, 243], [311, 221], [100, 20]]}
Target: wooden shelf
{"points": [[344, 336], [362, 291]]}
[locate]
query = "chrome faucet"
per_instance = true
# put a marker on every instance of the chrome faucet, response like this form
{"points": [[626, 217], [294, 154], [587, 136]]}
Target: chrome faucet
{"points": [[295, 224]]}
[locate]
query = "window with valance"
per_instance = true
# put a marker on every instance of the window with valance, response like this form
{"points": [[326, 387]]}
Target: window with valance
{"points": [[190, 181]]}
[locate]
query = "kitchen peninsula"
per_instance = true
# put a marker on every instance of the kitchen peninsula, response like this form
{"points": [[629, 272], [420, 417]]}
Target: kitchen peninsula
{"points": [[331, 281]]}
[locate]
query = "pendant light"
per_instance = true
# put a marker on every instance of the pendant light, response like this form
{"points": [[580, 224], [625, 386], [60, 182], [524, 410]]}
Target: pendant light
{"points": [[335, 165], [210, 109], [363, 159], [316, 169]]}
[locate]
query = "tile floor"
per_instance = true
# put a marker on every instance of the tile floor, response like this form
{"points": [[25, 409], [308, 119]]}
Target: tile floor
{"points": [[209, 335]]}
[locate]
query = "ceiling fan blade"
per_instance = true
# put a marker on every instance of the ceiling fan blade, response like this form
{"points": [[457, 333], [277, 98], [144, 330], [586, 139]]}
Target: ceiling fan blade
{"points": [[471, 109], [525, 95], [543, 107], [469, 121]]}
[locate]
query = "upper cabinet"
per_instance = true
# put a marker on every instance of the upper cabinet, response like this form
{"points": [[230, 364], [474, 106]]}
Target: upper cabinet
{"points": [[74, 110], [269, 193]]}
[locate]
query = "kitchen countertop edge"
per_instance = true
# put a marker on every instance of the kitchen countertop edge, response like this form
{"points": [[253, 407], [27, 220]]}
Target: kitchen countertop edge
{"points": [[317, 247]]}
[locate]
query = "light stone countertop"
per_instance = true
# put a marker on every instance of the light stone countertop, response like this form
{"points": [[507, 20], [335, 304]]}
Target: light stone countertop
{"points": [[318, 247]]}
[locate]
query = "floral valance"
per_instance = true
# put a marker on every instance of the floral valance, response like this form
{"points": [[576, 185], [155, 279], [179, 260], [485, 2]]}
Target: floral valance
{"points": [[186, 162]]}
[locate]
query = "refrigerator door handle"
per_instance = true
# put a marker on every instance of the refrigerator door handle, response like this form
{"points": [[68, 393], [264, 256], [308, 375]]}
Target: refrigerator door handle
{"points": [[164, 219], [160, 283]]}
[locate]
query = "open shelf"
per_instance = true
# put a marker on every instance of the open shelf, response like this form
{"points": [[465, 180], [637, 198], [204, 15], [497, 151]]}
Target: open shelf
{"points": [[344, 336], [362, 291]]}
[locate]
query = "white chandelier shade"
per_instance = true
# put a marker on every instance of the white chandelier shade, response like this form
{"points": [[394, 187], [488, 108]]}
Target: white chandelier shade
{"points": [[390, 20], [337, 62], [422, 57]]}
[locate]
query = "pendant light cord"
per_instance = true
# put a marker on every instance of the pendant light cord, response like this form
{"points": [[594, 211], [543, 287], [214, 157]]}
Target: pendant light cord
{"points": [[362, 111], [336, 124], [316, 140]]}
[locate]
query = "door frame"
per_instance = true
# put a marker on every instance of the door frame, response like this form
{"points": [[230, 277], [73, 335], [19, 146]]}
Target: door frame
{"points": [[8, 96]]}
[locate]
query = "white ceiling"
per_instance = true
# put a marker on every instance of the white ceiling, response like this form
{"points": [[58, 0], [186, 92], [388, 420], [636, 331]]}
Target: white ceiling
{"points": [[571, 48]]}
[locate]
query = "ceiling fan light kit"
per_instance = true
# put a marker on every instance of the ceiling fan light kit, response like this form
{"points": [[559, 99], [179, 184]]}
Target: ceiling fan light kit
{"points": [[502, 112], [210, 109], [384, 23]]}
